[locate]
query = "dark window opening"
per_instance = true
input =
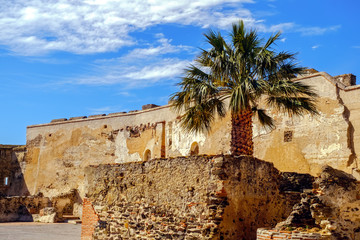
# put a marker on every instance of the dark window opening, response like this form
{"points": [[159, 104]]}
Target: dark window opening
{"points": [[288, 135]]}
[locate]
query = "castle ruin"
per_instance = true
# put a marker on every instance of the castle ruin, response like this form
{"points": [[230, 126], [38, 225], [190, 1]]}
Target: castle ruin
{"points": [[56, 154]]}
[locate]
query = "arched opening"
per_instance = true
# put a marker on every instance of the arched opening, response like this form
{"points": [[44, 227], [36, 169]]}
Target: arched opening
{"points": [[194, 150], [147, 155]]}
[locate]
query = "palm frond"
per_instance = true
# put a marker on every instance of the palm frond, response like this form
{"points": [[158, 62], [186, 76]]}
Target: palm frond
{"points": [[264, 118], [293, 105], [199, 117]]}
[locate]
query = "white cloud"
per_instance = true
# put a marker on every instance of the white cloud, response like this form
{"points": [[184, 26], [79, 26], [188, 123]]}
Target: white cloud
{"points": [[139, 68], [280, 27], [310, 31], [36, 27], [167, 68], [134, 76], [356, 46], [164, 47], [315, 47], [293, 27], [105, 110]]}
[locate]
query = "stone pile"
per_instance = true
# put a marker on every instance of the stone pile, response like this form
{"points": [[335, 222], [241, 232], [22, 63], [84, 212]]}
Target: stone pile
{"points": [[332, 208]]}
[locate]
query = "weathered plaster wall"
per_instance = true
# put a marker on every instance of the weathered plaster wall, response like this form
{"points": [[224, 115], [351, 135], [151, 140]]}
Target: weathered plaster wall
{"points": [[59, 151], [219, 197], [11, 171], [306, 143]]}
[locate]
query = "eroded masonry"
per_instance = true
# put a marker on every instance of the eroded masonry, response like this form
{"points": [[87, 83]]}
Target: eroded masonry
{"points": [[51, 166]]}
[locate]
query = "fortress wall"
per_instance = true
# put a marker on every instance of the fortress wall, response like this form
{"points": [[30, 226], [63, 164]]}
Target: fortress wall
{"points": [[58, 152]]}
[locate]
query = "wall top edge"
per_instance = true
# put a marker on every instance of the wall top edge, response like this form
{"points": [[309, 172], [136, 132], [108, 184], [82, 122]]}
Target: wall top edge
{"points": [[327, 76], [331, 79], [110, 115], [7, 146]]}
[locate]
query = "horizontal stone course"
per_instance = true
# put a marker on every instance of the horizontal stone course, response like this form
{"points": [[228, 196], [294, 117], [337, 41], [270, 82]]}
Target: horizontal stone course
{"points": [[263, 234]]}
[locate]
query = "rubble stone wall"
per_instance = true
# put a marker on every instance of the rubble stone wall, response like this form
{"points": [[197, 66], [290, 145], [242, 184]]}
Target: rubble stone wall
{"points": [[22, 209], [219, 197], [330, 209]]}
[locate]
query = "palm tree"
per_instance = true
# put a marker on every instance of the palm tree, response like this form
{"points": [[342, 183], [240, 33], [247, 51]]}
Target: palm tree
{"points": [[244, 73]]}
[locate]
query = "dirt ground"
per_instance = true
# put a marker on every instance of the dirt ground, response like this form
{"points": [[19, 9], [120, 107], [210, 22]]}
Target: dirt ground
{"points": [[39, 231]]}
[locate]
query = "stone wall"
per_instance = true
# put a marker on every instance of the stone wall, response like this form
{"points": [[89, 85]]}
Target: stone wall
{"points": [[11, 171], [218, 197]]}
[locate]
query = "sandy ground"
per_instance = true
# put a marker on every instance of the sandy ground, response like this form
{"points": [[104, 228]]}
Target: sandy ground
{"points": [[39, 231]]}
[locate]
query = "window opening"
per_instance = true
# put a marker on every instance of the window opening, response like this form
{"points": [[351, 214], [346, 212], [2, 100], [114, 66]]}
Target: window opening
{"points": [[147, 155], [194, 150], [6, 181], [288, 136]]}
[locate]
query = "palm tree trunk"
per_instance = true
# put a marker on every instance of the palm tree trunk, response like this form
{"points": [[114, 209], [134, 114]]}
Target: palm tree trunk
{"points": [[241, 133]]}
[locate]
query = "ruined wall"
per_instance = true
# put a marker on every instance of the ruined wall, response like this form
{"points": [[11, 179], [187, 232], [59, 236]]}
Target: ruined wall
{"points": [[331, 210], [11, 171], [58, 152], [218, 197], [338, 211], [304, 144]]}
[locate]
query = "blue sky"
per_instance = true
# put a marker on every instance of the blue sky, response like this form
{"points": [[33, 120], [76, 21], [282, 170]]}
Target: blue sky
{"points": [[66, 58]]}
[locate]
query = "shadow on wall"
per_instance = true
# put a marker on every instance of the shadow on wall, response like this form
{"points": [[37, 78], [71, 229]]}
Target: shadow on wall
{"points": [[12, 182]]}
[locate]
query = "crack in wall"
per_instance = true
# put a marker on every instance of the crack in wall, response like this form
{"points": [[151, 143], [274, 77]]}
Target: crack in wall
{"points": [[350, 130]]}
